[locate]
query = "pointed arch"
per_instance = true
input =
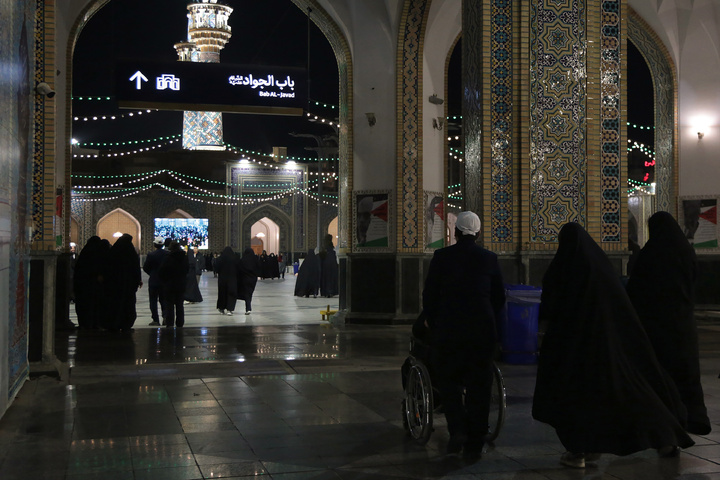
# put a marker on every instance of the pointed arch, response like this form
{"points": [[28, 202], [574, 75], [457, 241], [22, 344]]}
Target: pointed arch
{"points": [[663, 72], [119, 220], [273, 213]]}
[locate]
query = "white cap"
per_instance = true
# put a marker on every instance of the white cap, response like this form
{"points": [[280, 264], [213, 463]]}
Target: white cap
{"points": [[159, 241], [468, 223]]}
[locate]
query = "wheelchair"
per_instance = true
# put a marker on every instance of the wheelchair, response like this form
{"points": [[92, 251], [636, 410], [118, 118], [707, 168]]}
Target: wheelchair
{"points": [[422, 401]]}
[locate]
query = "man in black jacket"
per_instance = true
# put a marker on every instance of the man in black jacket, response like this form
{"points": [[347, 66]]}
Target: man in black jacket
{"points": [[463, 295], [152, 266]]}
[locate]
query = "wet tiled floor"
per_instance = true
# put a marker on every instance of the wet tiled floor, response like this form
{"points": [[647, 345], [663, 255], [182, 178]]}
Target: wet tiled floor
{"points": [[284, 401]]}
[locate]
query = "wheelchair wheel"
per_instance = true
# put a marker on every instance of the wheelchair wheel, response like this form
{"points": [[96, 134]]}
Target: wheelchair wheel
{"points": [[498, 404], [418, 403]]}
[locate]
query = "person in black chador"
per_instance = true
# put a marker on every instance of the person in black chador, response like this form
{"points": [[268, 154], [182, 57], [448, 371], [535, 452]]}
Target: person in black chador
{"points": [[599, 383], [89, 284], [247, 277], [308, 278], [192, 290], [264, 261], [227, 266], [661, 288], [152, 266], [329, 270], [173, 274], [124, 280], [273, 266], [463, 295]]}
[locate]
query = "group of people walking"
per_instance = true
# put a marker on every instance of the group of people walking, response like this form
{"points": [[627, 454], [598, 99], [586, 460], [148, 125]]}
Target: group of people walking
{"points": [[174, 281], [618, 366]]}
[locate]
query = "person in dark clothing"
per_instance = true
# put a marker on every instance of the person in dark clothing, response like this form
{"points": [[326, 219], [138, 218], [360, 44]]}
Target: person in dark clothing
{"points": [[152, 266], [264, 266], [124, 280], [463, 295], [329, 270], [173, 274], [273, 266], [89, 283], [192, 290], [227, 267], [308, 278], [248, 272], [598, 381], [661, 288]]}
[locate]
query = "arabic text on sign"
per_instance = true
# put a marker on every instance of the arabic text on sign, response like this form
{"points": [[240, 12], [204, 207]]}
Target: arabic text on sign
{"points": [[261, 82]]}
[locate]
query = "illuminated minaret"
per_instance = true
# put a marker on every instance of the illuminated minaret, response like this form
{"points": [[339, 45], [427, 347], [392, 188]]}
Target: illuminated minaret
{"points": [[208, 32]]}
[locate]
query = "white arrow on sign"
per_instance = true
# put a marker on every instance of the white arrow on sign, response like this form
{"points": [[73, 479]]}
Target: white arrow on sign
{"points": [[138, 78]]}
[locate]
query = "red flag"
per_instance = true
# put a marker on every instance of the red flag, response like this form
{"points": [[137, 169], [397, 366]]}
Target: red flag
{"points": [[381, 211]]}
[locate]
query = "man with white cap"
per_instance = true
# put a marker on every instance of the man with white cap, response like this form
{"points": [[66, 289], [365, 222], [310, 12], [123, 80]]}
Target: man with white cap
{"points": [[463, 295], [152, 267]]}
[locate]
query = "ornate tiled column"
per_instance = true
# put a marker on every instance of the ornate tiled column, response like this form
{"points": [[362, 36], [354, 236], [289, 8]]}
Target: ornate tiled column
{"points": [[543, 120]]}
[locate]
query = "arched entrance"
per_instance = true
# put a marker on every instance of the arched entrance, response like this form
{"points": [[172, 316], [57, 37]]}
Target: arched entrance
{"points": [[662, 70], [83, 12], [117, 222], [333, 230], [265, 235]]}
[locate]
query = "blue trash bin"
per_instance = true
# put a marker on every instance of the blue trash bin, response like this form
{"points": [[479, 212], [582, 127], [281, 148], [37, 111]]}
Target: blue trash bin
{"points": [[296, 267], [519, 327]]}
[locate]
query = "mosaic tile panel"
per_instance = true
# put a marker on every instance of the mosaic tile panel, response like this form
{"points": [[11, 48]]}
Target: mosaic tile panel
{"points": [[661, 69], [38, 165], [611, 132], [472, 108], [501, 118], [202, 128], [409, 175], [557, 117]]}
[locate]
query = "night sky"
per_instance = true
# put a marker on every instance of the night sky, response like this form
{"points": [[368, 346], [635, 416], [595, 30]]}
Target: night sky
{"points": [[271, 32]]}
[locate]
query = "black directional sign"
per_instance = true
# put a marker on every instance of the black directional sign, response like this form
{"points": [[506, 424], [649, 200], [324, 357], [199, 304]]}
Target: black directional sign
{"points": [[214, 87]]}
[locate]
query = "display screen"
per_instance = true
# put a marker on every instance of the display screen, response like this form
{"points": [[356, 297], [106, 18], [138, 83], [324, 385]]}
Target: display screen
{"points": [[214, 87], [186, 231]]}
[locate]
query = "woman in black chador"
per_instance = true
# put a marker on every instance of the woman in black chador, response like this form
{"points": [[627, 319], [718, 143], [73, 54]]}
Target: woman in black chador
{"points": [[89, 283], [227, 266], [192, 290], [661, 288], [598, 382], [124, 279], [247, 277], [329, 270], [308, 278]]}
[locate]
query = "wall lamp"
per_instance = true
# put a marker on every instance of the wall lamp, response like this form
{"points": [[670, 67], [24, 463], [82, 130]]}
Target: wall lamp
{"points": [[435, 100], [371, 118], [438, 123], [701, 134]]}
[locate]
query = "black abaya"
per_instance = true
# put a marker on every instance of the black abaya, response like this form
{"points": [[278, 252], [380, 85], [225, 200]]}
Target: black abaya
{"points": [[308, 278], [248, 273], [124, 280], [227, 270], [192, 290], [598, 382], [329, 275], [661, 288]]}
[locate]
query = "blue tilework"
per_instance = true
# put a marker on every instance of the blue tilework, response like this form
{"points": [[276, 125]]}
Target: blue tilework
{"points": [[610, 141], [501, 147], [558, 110], [410, 199]]}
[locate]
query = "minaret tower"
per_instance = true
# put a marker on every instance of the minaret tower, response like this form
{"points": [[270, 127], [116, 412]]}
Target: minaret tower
{"points": [[208, 32]]}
